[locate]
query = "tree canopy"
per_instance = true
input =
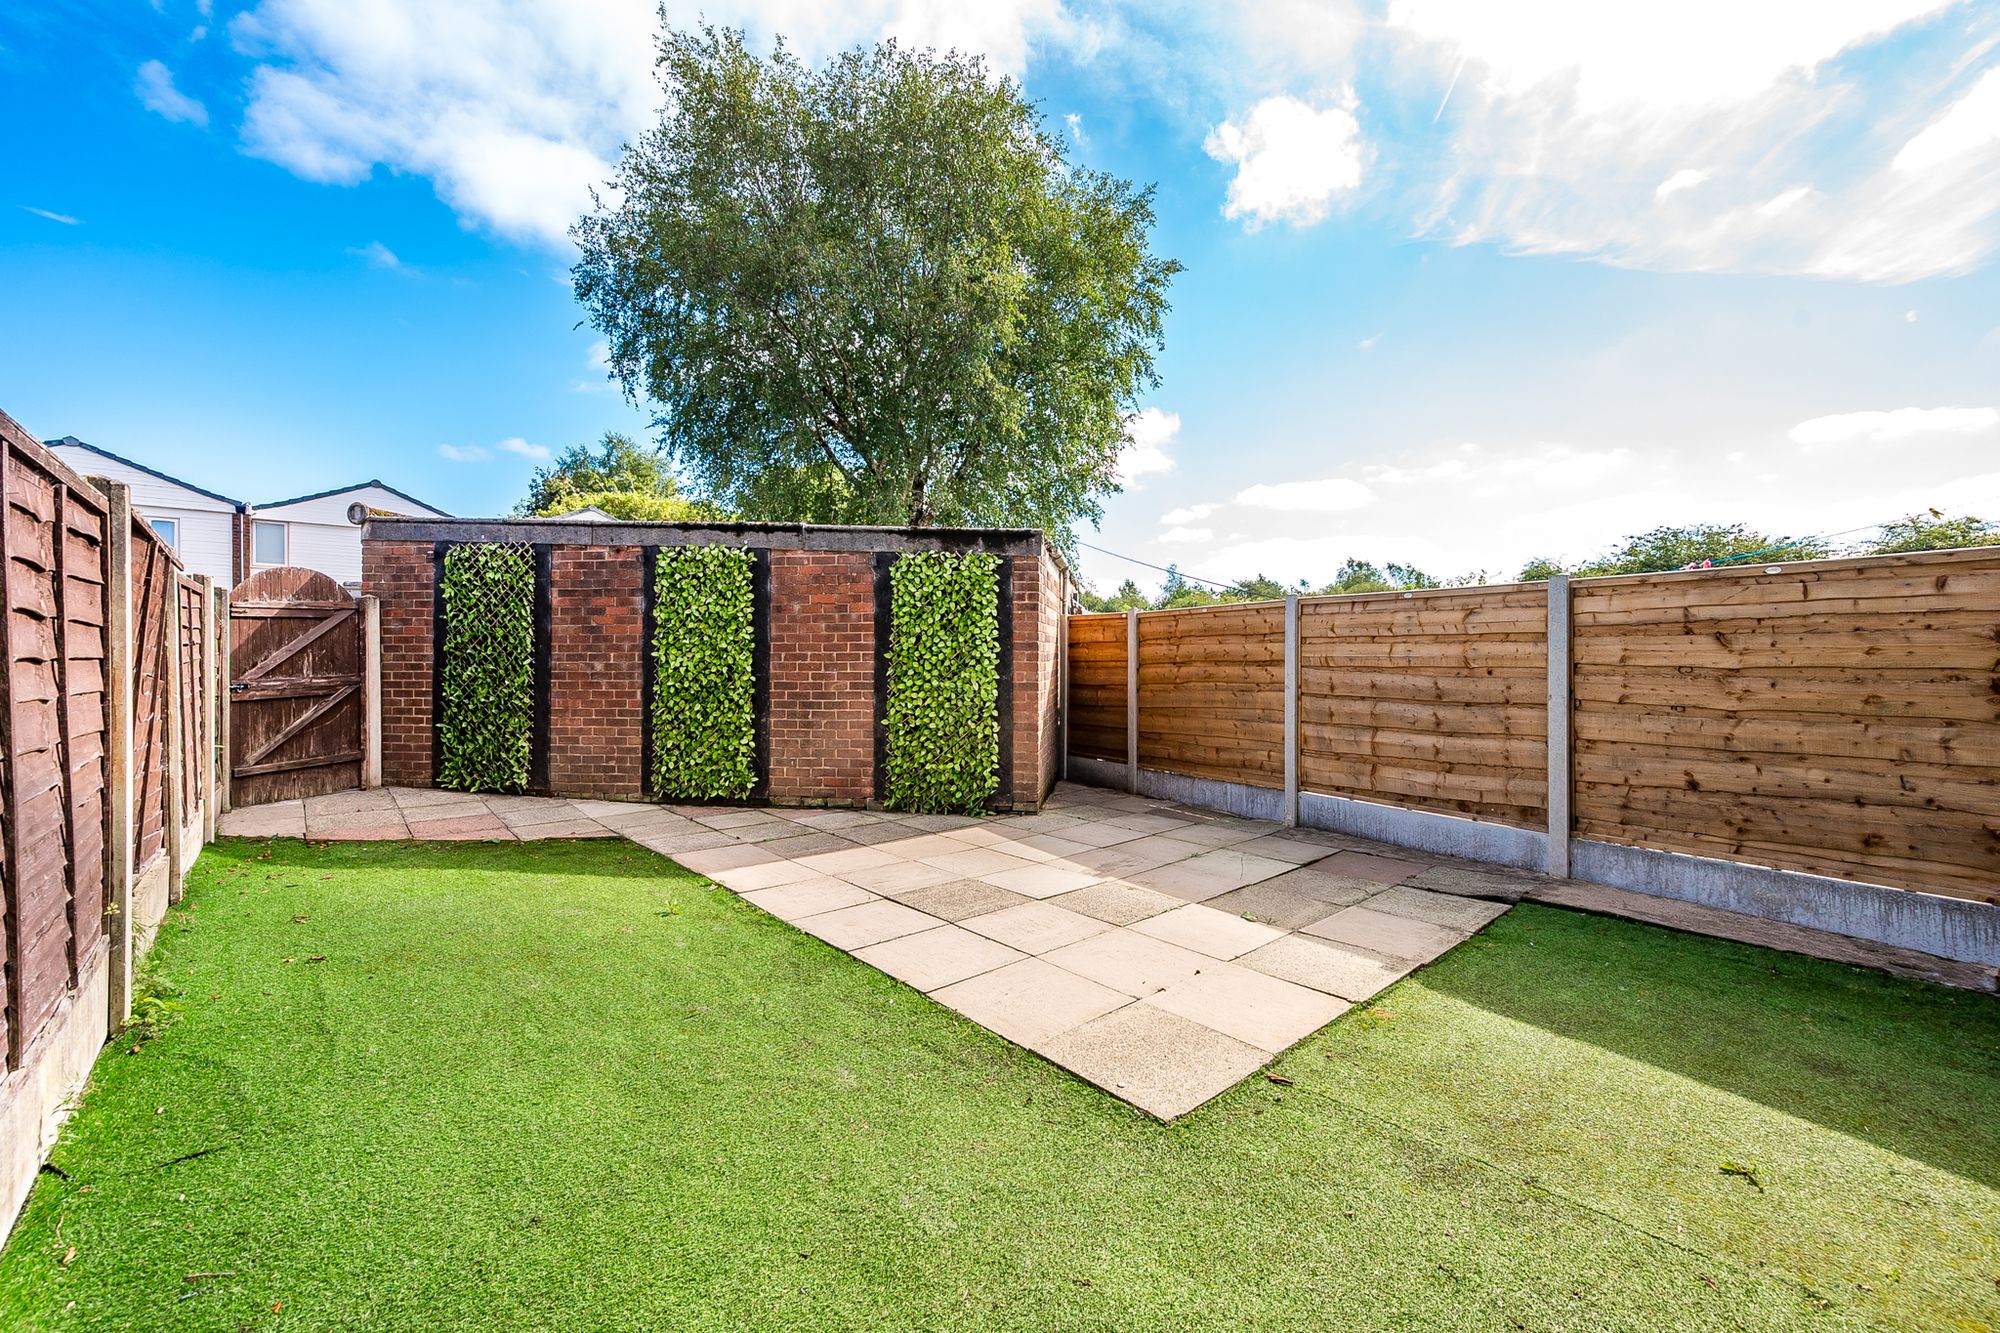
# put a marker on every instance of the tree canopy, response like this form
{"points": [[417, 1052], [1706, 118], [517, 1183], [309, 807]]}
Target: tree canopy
{"points": [[1932, 531], [873, 291], [1668, 548], [620, 477]]}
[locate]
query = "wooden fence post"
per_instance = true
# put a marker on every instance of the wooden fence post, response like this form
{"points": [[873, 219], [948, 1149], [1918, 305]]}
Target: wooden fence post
{"points": [[371, 691], [173, 765], [224, 668], [118, 685], [1292, 711], [1132, 701], [1558, 726], [210, 707]]}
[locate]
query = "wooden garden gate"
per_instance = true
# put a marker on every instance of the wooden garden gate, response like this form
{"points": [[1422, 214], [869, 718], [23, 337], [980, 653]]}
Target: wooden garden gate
{"points": [[295, 688]]}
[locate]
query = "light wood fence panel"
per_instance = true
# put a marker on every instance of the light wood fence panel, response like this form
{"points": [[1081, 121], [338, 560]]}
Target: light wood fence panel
{"points": [[1836, 717], [1097, 686], [1434, 701], [1212, 692]]}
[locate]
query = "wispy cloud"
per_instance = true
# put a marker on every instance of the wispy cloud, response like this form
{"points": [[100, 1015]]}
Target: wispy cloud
{"points": [[1187, 514], [1888, 427], [516, 445], [156, 90], [382, 257], [600, 362], [464, 453], [1152, 433], [63, 218], [1330, 495]]}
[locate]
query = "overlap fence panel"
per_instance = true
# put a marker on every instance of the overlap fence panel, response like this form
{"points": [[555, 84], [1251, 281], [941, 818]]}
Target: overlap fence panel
{"points": [[1097, 686], [1211, 692], [1841, 718], [195, 739], [1435, 701], [153, 577]]}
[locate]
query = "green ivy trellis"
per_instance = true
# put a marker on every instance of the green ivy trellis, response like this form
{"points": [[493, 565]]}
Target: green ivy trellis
{"points": [[486, 690], [942, 717], [704, 634]]}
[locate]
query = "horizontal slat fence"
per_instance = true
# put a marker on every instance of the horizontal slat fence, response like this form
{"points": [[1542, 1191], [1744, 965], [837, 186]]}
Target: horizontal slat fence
{"points": [[1097, 686], [1836, 717], [1437, 701], [1212, 692], [1839, 717]]}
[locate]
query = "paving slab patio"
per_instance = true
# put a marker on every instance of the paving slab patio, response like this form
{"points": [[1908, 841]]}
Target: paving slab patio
{"points": [[1160, 951]]}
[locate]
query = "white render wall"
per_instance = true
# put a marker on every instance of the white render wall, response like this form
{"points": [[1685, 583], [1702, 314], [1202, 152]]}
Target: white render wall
{"points": [[204, 545], [319, 535]]}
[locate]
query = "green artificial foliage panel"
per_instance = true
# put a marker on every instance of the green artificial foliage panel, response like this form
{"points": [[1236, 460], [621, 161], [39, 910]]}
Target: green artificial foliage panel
{"points": [[487, 672], [704, 673], [943, 713]]}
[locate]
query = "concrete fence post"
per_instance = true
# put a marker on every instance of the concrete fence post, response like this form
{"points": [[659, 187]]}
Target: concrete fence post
{"points": [[208, 701], [371, 691], [1132, 701], [224, 669], [118, 705], [1559, 782], [173, 765], [1292, 711]]}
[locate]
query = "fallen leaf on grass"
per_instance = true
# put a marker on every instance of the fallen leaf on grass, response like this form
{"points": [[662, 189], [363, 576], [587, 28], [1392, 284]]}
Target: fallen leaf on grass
{"points": [[1279, 1079], [69, 1256], [317, 958]]}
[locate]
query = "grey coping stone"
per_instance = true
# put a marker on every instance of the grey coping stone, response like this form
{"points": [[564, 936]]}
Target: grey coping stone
{"points": [[957, 899], [1161, 1063], [1120, 904]]}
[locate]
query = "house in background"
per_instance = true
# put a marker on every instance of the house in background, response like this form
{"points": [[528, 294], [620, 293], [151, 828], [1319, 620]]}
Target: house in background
{"points": [[316, 531], [229, 540], [203, 528]]}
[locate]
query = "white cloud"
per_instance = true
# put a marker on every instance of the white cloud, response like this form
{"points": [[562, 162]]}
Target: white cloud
{"points": [[1368, 344], [63, 218], [517, 445], [1971, 125], [513, 109], [1901, 423], [1291, 159], [1331, 495], [1573, 123], [463, 453], [600, 363], [1186, 536], [1684, 179], [382, 257], [155, 87], [1074, 124], [1152, 432], [1187, 514]]}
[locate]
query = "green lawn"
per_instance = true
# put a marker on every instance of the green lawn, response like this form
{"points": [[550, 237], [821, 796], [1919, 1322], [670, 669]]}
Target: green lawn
{"points": [[571, 1086]]}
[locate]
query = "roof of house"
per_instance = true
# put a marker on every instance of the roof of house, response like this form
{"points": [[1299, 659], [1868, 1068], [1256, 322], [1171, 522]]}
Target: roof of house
{"points": [[357, 486], [72, 442]]}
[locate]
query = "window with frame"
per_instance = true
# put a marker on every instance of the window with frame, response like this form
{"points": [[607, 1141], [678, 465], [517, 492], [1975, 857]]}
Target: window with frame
{"points": [[268, 543], [169, 530]]}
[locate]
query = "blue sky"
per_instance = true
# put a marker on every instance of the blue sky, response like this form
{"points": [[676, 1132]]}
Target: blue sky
{"points": [[1462, 286]]}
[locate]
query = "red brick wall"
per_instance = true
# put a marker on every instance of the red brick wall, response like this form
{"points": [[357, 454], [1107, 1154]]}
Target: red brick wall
{"points": [[399, 573], [821, 722], [596, 598], [822, 673]]}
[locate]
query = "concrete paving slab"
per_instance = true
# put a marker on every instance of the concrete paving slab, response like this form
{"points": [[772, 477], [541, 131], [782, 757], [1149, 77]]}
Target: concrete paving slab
{"points": [[1161, 1063], [1035, 927], [1127, 961], [1031, 1002], [957, 899], [1338, 969], [1367, 865], [938, 957], [1041, 881], [795, 902], [1440, 909], [1254, 1007], [1207, 931], [852, 928], [1117, 903], [1384, 933]]}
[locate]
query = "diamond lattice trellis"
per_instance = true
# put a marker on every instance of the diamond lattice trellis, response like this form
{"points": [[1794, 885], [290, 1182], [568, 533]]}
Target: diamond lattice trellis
{"points": [[487, 685]]}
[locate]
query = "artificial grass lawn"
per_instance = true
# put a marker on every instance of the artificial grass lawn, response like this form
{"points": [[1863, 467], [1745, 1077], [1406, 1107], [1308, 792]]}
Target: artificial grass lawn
{"points": [[570, 1086]]}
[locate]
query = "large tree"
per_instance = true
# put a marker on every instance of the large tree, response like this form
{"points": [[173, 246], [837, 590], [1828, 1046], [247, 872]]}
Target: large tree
{"points": [[874, 291], [619, 477]]}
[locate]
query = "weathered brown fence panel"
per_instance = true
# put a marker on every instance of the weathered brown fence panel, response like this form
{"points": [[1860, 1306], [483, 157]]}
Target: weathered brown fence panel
{"points": [[1435, 701], [52, 634], [1097, 686], [152, 582], [1840, 717], [194, 717], [1212, 692], [295, 695]]}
